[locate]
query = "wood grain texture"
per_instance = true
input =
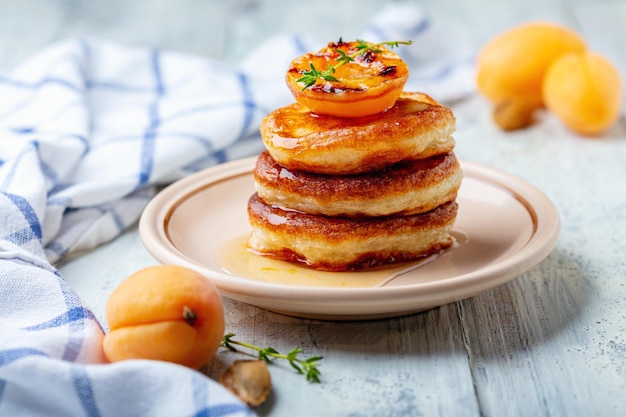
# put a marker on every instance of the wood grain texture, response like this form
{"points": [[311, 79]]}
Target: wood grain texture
{"points": [[550, 343]]}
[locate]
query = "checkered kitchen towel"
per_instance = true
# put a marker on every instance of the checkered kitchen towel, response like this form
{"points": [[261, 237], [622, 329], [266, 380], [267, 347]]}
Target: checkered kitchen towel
{"points": [[87, 130]]}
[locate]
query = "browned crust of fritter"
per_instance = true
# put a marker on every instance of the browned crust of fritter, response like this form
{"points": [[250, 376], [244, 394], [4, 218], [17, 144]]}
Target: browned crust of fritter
{"points": [[364, 261], [415, 127], [294, 226], [408, 187], [295, 223]]}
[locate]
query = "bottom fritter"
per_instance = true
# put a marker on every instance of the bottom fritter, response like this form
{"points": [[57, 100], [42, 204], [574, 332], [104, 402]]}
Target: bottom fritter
{"points": [[343, 244]]}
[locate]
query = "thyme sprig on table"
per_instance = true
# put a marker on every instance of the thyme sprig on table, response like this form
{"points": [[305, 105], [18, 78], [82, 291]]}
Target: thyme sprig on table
{"points": [[310, 77], [308, 366]]}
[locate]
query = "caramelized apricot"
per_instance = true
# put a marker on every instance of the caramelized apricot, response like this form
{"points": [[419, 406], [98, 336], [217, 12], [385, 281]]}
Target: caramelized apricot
{"points": [[368, 84], [585, 91], [167, 313], [512, 65]]}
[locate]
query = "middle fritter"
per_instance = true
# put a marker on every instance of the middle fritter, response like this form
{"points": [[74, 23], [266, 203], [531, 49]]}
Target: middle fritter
{"points": [[407, 187]]}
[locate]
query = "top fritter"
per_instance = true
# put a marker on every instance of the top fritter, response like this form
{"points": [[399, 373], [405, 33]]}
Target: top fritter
{"points": [[415, 127]]}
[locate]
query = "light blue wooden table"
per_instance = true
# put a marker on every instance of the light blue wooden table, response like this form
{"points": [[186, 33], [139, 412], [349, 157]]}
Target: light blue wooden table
{"points": [[552, 342]]}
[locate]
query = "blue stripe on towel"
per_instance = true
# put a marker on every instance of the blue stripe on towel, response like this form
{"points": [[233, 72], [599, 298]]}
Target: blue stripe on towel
{"points": [[8, 177], [205, 141], [84, 391], [76, 322], [301, 46], [223, 104], [73, 314], [41, 83], [119, 222], [23, 130], [20, 237], [11, 355], [248, 104], [147, 151], [156, 68], [117, 86], [56, 247], [34, 227], [82, 139], [85, 50], [220, 156], [220, 410], [418, 28], [48, 171]]}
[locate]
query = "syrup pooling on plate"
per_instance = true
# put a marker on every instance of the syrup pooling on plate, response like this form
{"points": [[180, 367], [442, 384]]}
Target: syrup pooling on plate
{"points": [[236, 259]]}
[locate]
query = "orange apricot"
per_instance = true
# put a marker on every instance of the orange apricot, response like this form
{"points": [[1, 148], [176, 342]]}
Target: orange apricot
{"points": [[512, 65], [369, 83], [167, 313], [585, 91]]}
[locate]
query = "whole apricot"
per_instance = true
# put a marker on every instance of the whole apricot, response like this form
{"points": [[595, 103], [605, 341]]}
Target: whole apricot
{"points": [[167, 313], [585, 91], [512, 65]]}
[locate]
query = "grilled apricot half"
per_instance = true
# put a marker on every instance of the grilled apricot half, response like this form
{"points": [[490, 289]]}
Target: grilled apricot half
{"points": [[348, 79]]}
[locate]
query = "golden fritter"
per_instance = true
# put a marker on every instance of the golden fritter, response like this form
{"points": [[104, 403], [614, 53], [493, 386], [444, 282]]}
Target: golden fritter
{"points": [[344, 244], [408, 187], [416, 127]]}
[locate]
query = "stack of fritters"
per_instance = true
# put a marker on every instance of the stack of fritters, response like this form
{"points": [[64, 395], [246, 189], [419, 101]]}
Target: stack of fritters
{"points": [[341, 194]]}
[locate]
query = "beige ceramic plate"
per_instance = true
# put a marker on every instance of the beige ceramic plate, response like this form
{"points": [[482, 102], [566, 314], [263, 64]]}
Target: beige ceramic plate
{"points": [[510, 226]]}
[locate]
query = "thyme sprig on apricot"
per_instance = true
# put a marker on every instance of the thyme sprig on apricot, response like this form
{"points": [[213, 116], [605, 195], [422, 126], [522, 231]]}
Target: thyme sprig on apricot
{"points": [[310, 77], [308, 366]]}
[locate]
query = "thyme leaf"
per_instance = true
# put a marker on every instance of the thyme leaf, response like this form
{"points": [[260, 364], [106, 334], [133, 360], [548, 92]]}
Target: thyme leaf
{"points": [[308, 366], [310, 77]]}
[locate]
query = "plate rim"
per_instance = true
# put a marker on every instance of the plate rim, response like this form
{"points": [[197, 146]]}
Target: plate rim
{"points": [[545, 216]]}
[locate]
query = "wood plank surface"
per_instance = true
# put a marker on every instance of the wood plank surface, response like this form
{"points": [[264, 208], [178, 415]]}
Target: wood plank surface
{"points": [[552, 342]]}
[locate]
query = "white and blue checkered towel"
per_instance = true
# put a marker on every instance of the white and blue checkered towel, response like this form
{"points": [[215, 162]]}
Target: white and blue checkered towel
{"points": [[88, 129]]}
